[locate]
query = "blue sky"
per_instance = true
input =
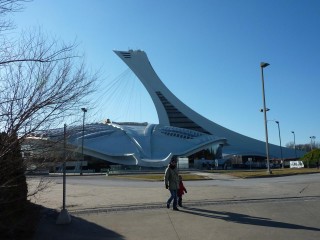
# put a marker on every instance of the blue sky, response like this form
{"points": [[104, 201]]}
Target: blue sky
{"points": [[207, 52]]}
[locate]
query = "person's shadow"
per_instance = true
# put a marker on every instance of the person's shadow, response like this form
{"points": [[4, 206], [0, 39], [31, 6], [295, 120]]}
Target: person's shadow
{"points": [[244, 219], [77, 229]]}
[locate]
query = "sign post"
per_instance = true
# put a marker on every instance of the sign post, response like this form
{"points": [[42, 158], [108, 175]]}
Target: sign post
{"points": [[64, 216]]}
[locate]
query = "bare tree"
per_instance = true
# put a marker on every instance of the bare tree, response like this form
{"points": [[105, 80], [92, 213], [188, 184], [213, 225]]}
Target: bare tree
{"points": [[7, 7], [42, 81]]}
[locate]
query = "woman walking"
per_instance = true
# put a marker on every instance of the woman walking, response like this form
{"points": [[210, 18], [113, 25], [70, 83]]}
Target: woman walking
{"points": [[171, 181]]}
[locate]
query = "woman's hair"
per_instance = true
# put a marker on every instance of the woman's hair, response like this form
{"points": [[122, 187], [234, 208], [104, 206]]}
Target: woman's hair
{"points": [[173, 160]]}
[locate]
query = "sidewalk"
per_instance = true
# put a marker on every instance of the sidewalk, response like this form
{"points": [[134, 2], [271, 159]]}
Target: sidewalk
{"points": [[231, 221]]}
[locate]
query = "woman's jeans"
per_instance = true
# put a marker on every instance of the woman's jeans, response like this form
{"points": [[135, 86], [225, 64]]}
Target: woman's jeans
{"points": [[173, 197]]}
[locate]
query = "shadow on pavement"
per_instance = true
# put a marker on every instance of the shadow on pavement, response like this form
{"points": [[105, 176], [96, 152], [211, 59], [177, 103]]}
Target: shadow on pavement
{"points": [[77, 229], [244, 219]]}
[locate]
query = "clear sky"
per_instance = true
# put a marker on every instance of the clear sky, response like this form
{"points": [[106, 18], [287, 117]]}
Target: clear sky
{"points": [[207, 52]]}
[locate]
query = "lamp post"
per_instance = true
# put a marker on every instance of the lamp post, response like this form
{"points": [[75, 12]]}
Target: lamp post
{"points": [[294, 142], [84, 110], [311, 143], [278, 123], [262, 66]]}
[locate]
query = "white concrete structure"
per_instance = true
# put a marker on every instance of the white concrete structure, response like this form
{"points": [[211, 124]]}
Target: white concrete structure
{"points": [[180, 132], [172, 112], [142, 144]]}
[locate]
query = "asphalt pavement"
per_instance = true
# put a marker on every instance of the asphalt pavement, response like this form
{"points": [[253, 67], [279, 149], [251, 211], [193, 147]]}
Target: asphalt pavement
{"points": [[222, 208]]}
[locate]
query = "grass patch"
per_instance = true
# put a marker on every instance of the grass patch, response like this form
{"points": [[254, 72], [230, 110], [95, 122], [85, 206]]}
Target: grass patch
{"points": [[264, 173], [159, 177], [236, 173]]}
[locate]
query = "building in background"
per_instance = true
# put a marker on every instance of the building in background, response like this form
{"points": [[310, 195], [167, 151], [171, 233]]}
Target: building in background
{"points": [[181, 132]]}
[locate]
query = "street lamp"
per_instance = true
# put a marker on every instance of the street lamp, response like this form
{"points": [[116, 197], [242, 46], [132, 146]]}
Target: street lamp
{"points": [[294, 142], [84, 110], [312, 138], [264, 110], [278, 123]]}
